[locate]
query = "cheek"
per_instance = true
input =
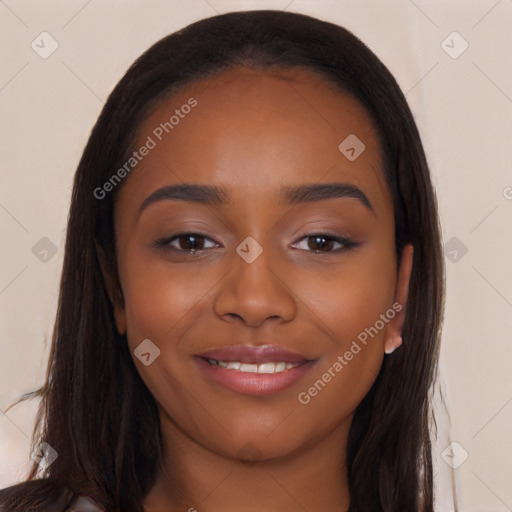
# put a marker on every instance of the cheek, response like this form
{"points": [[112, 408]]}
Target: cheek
{"points": [[163, 302], [161, 298], [353, 308], [352, 298]]}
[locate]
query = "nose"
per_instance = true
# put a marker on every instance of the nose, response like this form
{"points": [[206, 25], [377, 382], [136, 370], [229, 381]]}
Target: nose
{"points": [[257, 291]]}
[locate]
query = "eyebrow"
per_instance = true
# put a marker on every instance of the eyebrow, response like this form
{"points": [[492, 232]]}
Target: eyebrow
{"points": [[215, 196]]}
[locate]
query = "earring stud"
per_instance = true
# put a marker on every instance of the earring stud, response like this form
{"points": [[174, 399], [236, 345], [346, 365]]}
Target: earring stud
{"points": [[393, 345]]}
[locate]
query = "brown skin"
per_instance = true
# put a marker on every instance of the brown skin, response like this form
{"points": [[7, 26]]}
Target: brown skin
{"points": [[250, 133]]}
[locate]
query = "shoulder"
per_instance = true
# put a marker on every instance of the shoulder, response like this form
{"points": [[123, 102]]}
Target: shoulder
{"points": [[46, 496]]}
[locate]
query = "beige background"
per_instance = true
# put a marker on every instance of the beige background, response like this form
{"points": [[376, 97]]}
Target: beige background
{"points": [[463, 107]]}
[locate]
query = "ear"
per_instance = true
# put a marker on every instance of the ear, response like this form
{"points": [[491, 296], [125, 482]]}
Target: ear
{"points": [[113, 289], [394, 328]]}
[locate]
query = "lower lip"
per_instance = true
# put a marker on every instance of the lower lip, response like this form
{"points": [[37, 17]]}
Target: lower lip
{"points": [[253, 383]]}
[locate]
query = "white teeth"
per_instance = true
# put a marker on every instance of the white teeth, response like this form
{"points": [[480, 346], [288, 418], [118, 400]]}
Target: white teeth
{"points": [[246, 367], [269, 367], [266, 368]]}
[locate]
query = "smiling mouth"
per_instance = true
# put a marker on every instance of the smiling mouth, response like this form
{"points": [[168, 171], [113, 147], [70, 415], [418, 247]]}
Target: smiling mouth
{"points": [[254, 370], [268, 367]]}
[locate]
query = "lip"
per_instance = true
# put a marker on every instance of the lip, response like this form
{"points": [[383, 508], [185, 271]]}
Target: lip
{"points": [[252, 354], [249, 383]]}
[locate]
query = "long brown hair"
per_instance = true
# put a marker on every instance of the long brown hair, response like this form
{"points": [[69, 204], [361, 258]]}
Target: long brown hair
{"points": [[95, 410]]}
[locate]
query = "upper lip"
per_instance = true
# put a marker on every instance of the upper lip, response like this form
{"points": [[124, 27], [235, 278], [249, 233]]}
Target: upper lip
{"points": [[254, 354]]}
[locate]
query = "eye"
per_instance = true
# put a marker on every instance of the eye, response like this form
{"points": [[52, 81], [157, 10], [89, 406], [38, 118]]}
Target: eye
{"points": [[323, 242], [191, 243], [185, 242]]}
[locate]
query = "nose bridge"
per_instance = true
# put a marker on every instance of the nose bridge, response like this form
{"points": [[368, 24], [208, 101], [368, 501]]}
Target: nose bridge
{"points": [[253, 266], [255, 289]]}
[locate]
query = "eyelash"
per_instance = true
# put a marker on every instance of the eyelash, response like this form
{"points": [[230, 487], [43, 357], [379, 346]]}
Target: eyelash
{"points": [[347, 243]]}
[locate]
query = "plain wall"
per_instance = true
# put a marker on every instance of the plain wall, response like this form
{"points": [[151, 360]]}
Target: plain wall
{"points": [[462, 105]]}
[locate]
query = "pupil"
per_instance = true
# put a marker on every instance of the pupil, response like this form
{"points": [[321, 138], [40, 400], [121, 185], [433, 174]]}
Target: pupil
{"points": [[193, 243], [318, 242]]}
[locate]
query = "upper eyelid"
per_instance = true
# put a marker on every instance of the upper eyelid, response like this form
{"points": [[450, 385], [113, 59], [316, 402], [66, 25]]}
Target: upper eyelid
{"points": [[302, 235]]}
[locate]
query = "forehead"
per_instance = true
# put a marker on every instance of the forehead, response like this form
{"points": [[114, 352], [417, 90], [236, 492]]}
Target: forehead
{"points": [[253, 131]]}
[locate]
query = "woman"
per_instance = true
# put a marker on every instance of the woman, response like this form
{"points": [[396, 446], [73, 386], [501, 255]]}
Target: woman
{"points": [[253, 234]]}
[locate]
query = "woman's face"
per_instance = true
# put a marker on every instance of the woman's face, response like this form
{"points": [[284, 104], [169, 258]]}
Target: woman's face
{"points": [[267, 337]]}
